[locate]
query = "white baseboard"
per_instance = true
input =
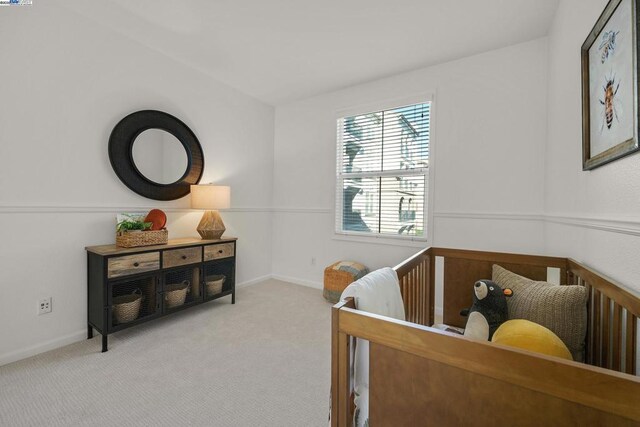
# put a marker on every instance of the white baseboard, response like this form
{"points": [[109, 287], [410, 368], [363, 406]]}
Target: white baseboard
{"points": [[254, 281], [296, 281], [14, 356]]}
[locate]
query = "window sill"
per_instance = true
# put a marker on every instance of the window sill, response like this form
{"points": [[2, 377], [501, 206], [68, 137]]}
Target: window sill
{"points": [[383, 240]]}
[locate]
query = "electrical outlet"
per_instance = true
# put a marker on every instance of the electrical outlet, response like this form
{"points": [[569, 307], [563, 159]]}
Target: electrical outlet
{"points": [[313, 260], [44, 306]]}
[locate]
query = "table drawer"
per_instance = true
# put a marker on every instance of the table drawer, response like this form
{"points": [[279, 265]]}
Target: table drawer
{"points": [[222, 250], [133, 264], [176, 257]]}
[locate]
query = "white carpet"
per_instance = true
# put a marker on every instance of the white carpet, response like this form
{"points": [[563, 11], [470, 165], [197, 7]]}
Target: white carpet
{"points": [[264, 361]]}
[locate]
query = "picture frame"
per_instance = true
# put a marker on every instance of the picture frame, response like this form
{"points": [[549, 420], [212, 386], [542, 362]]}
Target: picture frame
{"points": [[610, 86]]}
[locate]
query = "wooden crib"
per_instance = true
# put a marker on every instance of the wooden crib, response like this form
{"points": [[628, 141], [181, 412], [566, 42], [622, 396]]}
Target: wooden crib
{"points": [[423, 376]]}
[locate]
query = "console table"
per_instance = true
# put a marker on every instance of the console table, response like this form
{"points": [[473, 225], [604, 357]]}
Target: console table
{"points": [[129, 286]]}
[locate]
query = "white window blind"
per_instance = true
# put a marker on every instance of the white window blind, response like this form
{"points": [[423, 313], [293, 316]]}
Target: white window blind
{"points": [[382, 172]]}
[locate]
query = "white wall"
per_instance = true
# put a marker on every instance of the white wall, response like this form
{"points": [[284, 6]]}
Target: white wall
{"points": [[506, 150], [488, 151], [66, 82], [591, 216]]}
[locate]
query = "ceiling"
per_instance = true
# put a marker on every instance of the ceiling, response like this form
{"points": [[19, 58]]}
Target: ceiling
{"points": [[283, 50]]}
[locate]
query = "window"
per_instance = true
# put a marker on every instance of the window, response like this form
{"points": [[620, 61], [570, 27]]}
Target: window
{"points": [[382, 172]]}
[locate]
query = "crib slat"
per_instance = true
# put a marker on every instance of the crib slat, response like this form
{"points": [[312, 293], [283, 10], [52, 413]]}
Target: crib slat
{"points": [[425, 280], [606, 334], [419, 301], [423, 283], [597, 331], [411, 289], [401, 279], [405, 279], [432, 285], [427, 297], [419, 296], [415, 295], [414, 298], [617, 337], [590, 325], [576, 279], [425, 290], [420, 293], [405, 293], [630, 353]]}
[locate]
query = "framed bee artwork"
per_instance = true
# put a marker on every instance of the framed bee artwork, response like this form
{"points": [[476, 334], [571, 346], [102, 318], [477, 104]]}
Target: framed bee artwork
{"points": [[610, 86]]}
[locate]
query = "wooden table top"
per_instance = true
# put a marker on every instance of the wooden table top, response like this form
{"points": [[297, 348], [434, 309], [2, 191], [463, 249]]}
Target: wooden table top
{"points": [[173, 243]]}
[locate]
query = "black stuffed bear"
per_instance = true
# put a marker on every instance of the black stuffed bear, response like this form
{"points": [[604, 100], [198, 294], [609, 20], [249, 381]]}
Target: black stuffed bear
{"points": [[488, 312]]}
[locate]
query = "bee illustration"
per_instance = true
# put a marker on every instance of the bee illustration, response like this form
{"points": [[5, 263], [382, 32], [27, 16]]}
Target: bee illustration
{"points": [[608, 44], [610, 91]]}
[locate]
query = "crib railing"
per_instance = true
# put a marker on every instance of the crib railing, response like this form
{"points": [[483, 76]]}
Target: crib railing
{"points": [[612, 320], [613, 312], [417, 286]]}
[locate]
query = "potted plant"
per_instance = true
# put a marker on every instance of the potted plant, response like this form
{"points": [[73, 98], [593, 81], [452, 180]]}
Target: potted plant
{"points": [[131, 225]]}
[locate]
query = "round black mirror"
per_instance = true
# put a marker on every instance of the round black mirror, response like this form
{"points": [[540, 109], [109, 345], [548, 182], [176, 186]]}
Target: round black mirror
{"points": [[156, 155], [159, 156]]}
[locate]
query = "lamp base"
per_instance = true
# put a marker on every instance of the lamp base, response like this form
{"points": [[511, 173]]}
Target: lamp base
{"points": [[211, 226]]}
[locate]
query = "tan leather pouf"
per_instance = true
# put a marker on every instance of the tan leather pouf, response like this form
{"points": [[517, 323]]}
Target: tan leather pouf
{"points": [[338, 276]]}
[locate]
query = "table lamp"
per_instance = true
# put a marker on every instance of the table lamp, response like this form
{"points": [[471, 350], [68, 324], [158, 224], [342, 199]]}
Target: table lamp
{"points": [[210, 198]]}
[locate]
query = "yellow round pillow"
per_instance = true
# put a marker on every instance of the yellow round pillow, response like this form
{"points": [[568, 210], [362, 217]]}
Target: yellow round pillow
{"points": [[530, 336]]}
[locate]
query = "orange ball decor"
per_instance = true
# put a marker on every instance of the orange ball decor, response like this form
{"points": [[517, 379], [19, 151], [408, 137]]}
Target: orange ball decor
{"points": [[157, 218]]}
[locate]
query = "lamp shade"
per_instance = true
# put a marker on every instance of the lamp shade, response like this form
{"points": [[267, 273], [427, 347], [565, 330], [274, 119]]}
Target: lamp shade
{"points": [[210, 197]]}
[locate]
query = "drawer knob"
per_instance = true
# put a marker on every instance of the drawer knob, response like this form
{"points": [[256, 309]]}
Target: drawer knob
{"points": [[184, 257], [220, 251], [136, 264]]}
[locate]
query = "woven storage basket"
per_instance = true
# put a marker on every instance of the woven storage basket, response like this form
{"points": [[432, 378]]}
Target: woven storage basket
{"points": [[214, 284], [133, 239], [127, 307], [338, 276], [176, 293]]}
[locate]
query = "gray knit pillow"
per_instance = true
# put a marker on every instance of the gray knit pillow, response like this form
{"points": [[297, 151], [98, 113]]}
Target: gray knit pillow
{"points": [[563, 309]]}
